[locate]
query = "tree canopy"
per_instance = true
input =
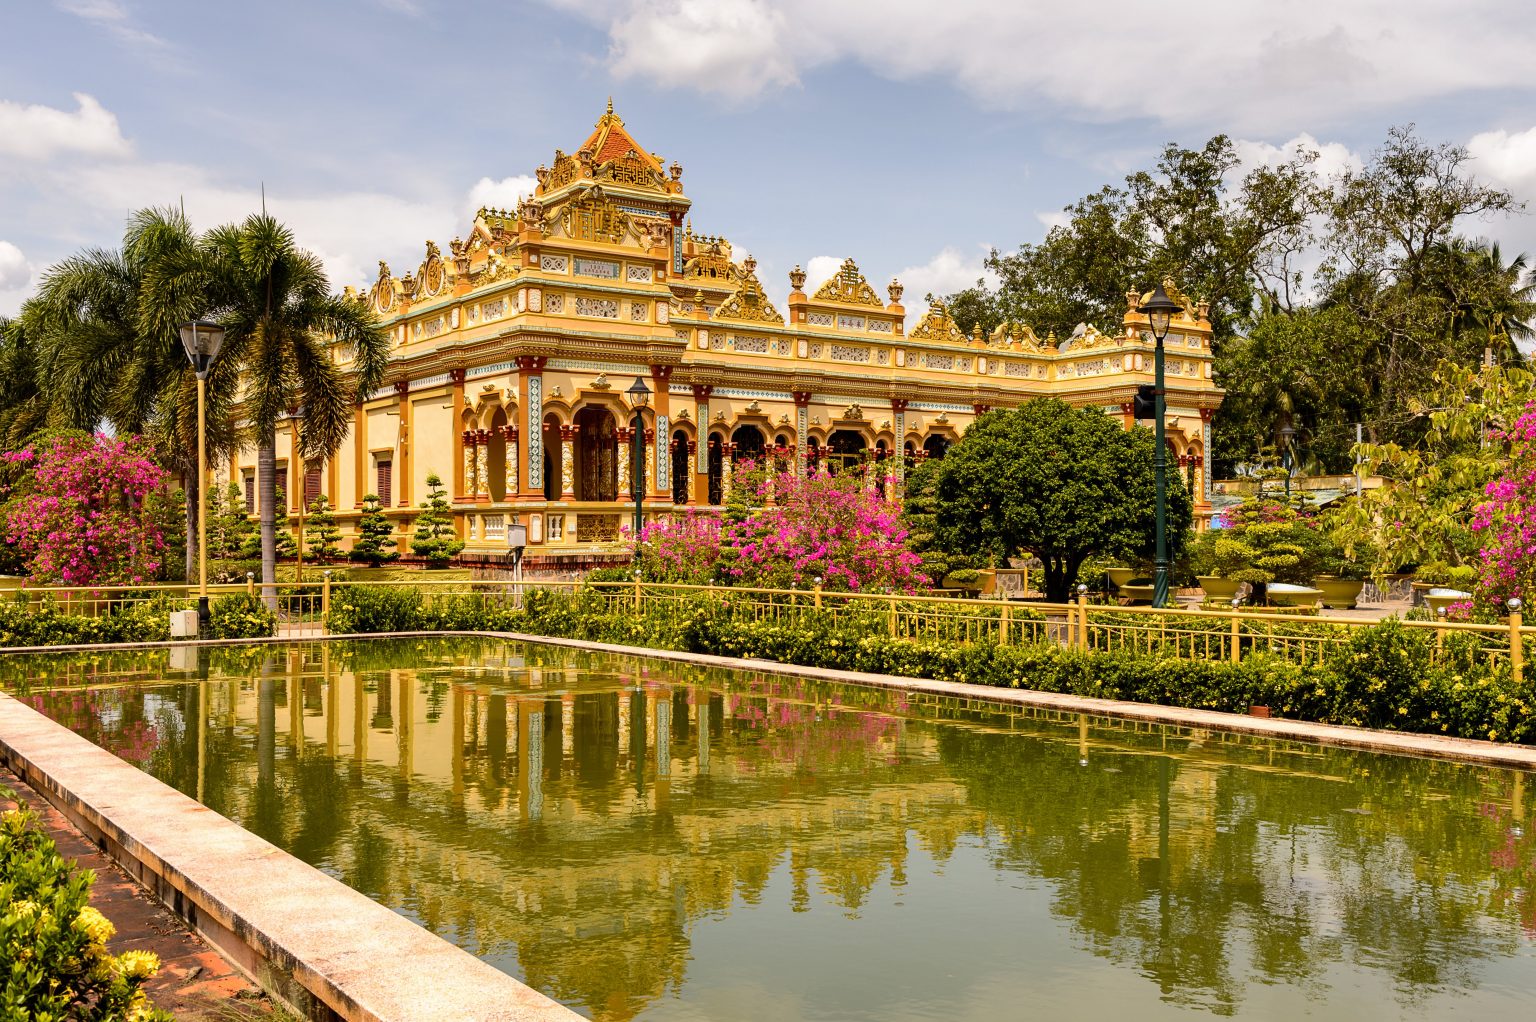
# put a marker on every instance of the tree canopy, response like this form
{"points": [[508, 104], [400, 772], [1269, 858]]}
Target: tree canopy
{"points": [[1058, 482], [1333, 296]]}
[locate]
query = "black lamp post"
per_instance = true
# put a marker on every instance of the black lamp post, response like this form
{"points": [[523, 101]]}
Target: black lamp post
{"points": [[201, 339], [639, 396], [1287, 434], [1159, 310]]}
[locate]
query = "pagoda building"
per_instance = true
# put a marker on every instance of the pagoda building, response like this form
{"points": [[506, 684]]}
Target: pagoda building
{"points": [[514, 349]]}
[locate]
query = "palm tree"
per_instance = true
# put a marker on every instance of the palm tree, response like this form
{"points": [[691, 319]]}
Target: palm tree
{"points": [[109, 349], [23, 402], [281, 321]]}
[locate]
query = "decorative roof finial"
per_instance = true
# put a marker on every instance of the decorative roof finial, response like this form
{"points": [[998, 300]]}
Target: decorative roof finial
{"points": [[610, 106]]}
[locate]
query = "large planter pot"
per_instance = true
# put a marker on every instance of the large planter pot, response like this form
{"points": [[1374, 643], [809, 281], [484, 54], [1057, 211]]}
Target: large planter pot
{"points": [[1120, 576], [988, 582], [1440, 597], [1218, 589], [1339, 593], [1283, 594], [1133, 592], [1421, 590]]}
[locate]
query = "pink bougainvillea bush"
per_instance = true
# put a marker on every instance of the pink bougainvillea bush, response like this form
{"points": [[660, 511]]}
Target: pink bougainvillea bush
{"points": [[84, 517], [1506, 521], [781, 530]]}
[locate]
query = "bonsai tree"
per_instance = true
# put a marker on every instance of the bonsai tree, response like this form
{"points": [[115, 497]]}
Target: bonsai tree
{"points": [[321, 534], [434, 539], [1262, 541], [1058, 482], [375, 543], [233, 525]]}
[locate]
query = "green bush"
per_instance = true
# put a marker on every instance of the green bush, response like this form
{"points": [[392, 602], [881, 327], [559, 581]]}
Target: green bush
{"points": [[25, 624], [54, 963], [240, 616]]}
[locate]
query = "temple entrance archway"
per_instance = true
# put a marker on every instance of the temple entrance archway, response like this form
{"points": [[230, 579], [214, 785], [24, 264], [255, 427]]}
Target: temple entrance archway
{"points": [[845, 450], [597, 455], [496, 457], [682, 473]]}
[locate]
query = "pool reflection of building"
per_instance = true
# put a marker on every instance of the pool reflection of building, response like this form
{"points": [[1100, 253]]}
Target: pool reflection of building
{"points": [[583, 820]]}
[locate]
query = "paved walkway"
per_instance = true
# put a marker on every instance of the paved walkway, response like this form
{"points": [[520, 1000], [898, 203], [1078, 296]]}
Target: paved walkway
{"points": [[195, 983]]}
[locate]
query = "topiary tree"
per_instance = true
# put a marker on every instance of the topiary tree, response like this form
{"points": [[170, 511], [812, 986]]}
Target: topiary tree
{"points": [[920, 513], [434, 539], [229, 525], [1058, 482], [375, 543], [321, 533], [1262, 541]]}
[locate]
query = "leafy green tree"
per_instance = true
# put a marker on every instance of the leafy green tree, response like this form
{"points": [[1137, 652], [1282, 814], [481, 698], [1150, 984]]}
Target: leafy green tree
{"points": [[1058, 482], [282, 324], [434, 539], [920, 512], [375, 542], [1424, 513], [107, 349], [322, 536], [234, 525]]}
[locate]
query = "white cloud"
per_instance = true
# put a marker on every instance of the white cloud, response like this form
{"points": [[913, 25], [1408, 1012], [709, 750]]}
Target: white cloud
{"points": [[819, 270], [503, 194], [1054, 218], [15, 271], [1332, 157], [947, 272], [1245, 65], [113, 16], [1508, 158], [36, 132]]}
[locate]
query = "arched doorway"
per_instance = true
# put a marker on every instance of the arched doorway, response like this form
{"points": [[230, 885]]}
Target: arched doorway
{"points": [[749, 445], [597, 455], [682, 474], [845, 449], [552, 454], [936, 445], [881, 468], [716, 468], [496, 457]]}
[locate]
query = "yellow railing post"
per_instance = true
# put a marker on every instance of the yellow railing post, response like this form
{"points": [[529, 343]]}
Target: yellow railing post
{"points": [[1082, 617], [250, 583], [325, 598], [1237, 638], [816, 602], [890, 604], [1516, 646], [637, 592], [1007, 625]]}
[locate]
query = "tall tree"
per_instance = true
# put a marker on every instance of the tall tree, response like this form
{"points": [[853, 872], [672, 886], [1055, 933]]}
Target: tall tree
{"points": [[1058, 482], [109, 348], [282, 325]]}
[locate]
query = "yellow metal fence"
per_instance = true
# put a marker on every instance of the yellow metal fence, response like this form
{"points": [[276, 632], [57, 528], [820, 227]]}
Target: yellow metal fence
{"points": [[1213, 634]]}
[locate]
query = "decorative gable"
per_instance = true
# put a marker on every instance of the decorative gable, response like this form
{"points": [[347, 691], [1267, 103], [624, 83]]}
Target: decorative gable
{"points": [[747, 302], [848, 286], [937, 325]]}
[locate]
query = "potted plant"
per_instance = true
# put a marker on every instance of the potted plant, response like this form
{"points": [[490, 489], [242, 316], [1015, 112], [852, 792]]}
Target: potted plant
{"points": [[1340, 581], [1432, 575], [965, 579], [1209, 566]]}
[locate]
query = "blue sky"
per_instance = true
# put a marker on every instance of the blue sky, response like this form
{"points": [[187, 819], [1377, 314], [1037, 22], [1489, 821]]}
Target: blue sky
{"points": [[910, 135]]}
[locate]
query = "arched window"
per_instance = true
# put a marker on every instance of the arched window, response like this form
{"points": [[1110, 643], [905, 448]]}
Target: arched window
{"points": [[552, 454], [881, 469], [936, 445], [597, 449], [496, 457], [749, 445], [716, 468], [845, 450], [682, 472]]}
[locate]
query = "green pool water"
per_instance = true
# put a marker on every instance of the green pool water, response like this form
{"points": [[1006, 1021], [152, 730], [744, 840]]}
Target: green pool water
{"points": [[648, 840]]}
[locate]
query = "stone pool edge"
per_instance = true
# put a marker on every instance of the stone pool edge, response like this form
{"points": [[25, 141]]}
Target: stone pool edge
{"points": [[325, 950]]}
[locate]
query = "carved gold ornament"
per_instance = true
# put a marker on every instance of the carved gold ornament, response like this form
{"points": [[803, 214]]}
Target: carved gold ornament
{"points": [[937, 325], [848, 285], [748, 302]]}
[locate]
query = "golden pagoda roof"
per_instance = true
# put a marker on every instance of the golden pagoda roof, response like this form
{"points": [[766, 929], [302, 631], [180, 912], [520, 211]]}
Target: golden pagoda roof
{"points": [[848, 286], [937, 325], [610, 141]]}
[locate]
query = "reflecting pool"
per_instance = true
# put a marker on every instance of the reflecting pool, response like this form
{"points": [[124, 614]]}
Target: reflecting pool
{"points": [[647, 840]]}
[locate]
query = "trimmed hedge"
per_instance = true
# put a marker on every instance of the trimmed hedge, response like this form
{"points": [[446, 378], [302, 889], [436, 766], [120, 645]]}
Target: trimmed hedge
{"points": [[1379, 677], [23, 624], [240, 616]]}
